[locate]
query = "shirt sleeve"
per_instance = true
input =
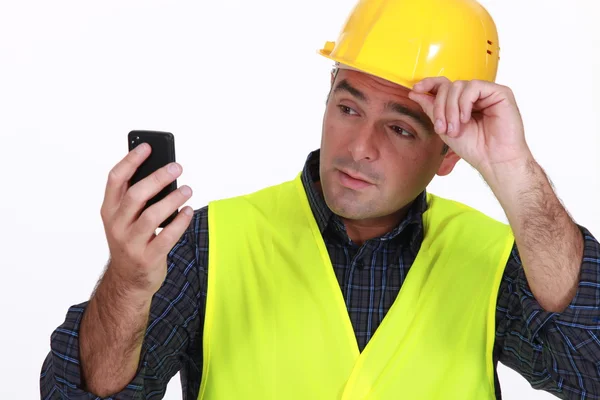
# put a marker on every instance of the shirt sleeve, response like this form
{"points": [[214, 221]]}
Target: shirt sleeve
{"points": [[555, 352], [174, 324]]}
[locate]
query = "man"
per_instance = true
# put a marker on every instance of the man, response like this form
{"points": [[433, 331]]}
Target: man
{"points": [[297, 293]]}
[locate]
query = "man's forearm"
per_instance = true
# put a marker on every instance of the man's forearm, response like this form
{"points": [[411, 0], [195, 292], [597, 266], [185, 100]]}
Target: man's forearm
{"points": [[111, 336], [550, 244]]}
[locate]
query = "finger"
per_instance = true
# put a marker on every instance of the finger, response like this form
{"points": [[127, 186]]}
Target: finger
{"points": [[431, 105], [424, 93], [430, 85], [452, 108], [119, 177], [145, 226], [439, 109], [170, 235], [138, 194], [479, 95], [425, 100], [467, 99]]}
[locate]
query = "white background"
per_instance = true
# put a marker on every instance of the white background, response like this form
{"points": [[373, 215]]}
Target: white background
{"points": [[240, 85]]}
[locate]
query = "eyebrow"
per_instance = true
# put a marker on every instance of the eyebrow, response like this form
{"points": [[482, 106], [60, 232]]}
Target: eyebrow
{"points": [[420, 117], [344, 86]]}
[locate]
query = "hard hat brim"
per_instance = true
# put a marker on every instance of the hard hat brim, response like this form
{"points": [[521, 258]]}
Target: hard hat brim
{"points": [[347, 64]]}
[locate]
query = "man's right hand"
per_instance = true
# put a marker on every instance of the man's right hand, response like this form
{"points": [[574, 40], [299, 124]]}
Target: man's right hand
{"points": [[114, 322], [138, 254]]}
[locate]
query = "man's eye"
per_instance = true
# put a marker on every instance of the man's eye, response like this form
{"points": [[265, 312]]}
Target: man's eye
{"points": [[402, 132], [347, 110]]}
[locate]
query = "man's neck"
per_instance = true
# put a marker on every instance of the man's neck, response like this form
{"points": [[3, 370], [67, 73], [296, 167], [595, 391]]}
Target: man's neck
{"points": [[359, 231]]}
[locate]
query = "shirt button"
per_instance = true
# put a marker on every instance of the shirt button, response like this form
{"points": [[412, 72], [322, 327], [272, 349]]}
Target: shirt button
{"points": [[360, 263]]}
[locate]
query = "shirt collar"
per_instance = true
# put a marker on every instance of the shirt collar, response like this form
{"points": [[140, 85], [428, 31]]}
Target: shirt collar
{"points": [[326, 218]]}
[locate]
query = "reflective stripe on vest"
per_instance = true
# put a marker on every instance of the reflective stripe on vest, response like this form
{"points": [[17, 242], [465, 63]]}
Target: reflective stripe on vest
{"points": [[277, 327]]}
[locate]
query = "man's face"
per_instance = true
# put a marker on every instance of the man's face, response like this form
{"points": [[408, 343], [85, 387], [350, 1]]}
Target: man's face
{"points": [[378, 148]]}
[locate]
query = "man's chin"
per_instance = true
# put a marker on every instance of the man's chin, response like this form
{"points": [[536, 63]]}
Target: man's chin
{"points": [[346, 207]]}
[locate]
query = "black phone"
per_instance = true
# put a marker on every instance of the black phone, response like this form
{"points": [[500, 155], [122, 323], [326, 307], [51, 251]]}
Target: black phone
{"points": [[163, 153]]}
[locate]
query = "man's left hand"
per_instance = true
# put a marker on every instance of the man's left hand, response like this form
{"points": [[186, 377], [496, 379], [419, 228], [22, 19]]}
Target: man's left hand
{"points": [[479, 120]]}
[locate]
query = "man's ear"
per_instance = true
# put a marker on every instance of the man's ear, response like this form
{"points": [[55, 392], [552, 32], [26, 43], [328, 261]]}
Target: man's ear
{"points": [[333, 75], [448, 163]]}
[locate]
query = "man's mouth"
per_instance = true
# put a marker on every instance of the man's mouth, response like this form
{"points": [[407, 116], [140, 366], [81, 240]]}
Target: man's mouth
{"points": [[352, 180]]}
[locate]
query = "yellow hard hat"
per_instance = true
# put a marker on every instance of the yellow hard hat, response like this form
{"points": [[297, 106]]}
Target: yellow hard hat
{"points": [[404, 41]]}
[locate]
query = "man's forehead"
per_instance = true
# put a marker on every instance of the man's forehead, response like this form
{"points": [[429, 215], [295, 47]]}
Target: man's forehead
{"points": [[357, 77], [393, 96]]}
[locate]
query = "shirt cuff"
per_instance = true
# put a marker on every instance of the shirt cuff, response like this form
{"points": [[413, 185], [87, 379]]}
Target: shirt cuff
{"points": [[66, 363], [584, 310]]}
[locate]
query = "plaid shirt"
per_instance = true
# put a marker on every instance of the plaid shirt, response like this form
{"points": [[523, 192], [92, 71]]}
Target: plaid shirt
{"points": [[556, 352]]}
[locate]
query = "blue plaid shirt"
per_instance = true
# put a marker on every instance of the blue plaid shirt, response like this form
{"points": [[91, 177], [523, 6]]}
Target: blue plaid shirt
{"points": [[556, 352]]}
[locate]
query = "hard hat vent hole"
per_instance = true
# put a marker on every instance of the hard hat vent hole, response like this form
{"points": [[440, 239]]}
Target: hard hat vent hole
{"points": [[490, 42], [489, 52]]}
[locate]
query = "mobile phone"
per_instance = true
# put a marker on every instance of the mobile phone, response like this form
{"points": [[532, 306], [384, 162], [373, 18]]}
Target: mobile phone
{"points": [[163, 153]]}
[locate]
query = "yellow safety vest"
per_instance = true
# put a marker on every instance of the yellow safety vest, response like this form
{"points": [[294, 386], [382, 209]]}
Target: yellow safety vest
{"points": [[277, 327]]}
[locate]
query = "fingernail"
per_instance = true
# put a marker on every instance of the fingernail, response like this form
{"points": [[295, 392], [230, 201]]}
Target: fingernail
{"points": [[141, 148], [450, 128], [188, 211], [185, 190], [462, 116], [173, 168], [439, 125]]}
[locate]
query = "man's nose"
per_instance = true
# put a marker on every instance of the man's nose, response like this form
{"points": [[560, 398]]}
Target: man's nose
{"points": [[363, 145]]}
